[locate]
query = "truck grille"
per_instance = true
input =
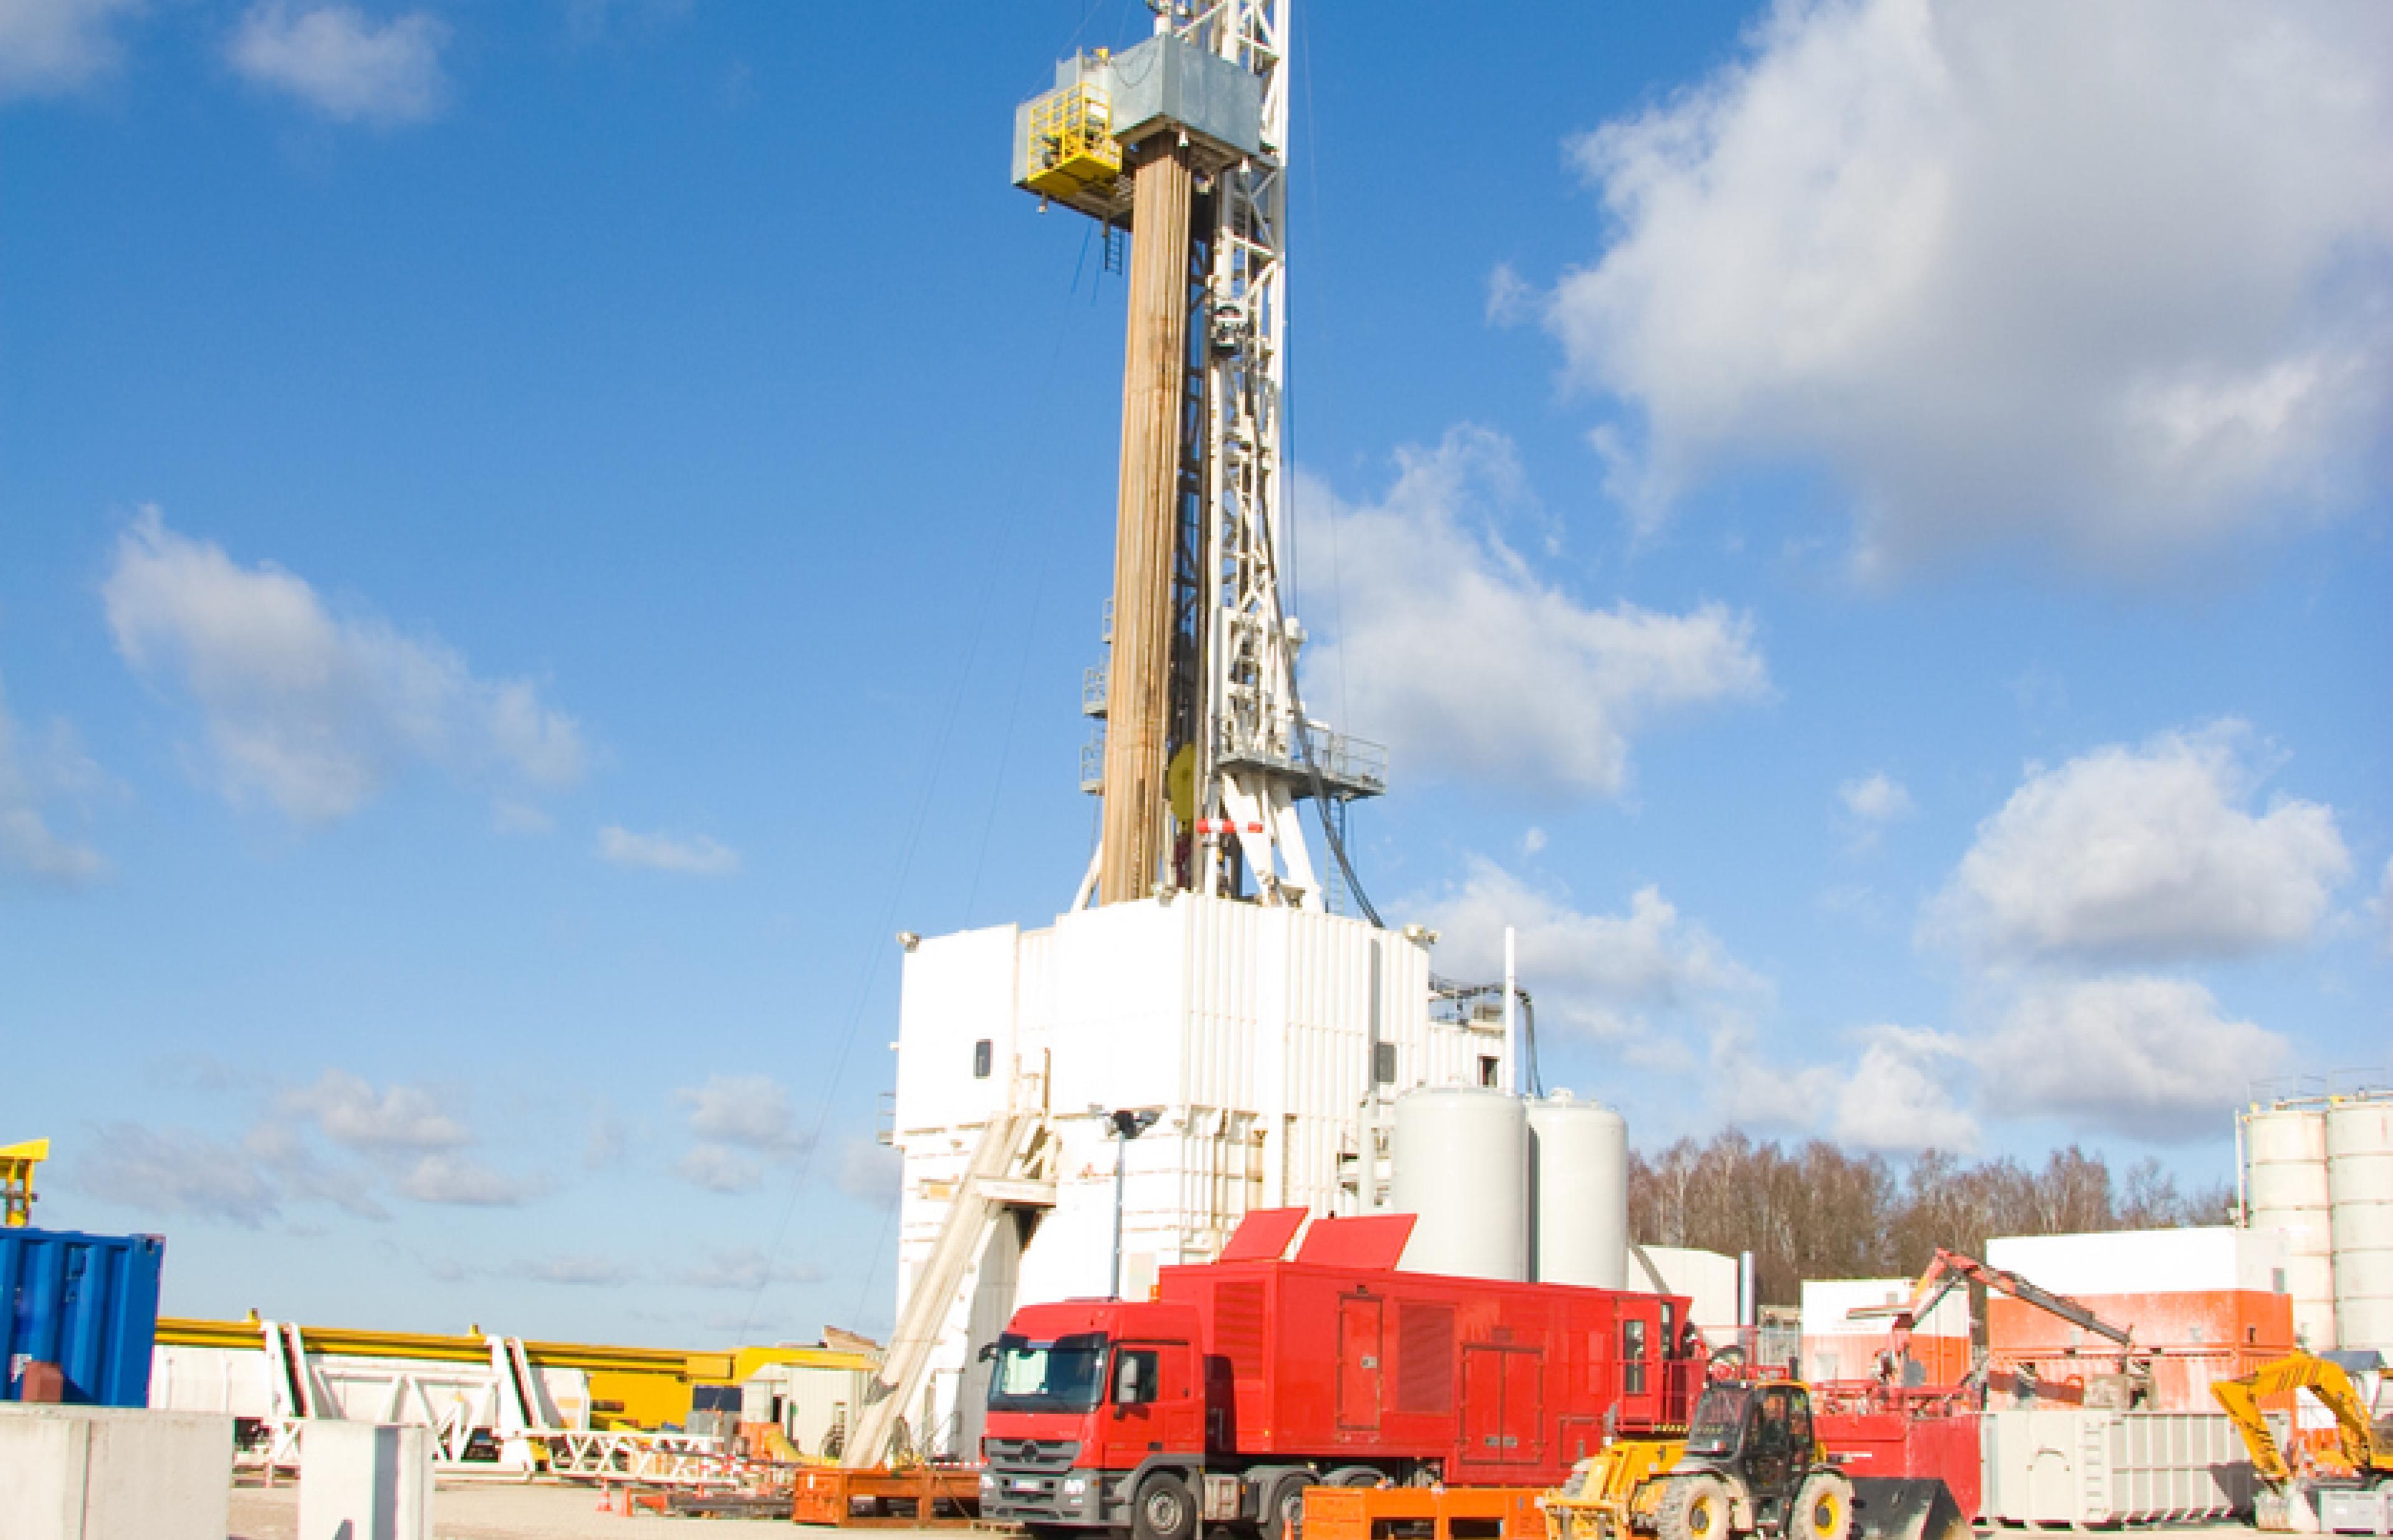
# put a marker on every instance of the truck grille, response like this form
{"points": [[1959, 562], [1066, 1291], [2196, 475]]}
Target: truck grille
{"points": [[1031, 1454]]}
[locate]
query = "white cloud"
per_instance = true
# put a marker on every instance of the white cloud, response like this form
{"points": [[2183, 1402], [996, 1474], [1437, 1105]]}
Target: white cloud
{"points": [[406, 1134], [2145, 1056], [176, 1171], [283, 1154], [2143, 855], [1449, 646], [1904, 1091], [50, 47], [1747, 1089], [1532, 840], [1597, 973], [871, 1172], [751, 1111], [700, 856], [1900, 1096], [1510, 298], [1877, 798], [609, 1141], [316, 713], [350, 1112], [2113, 282], [744, 1268], [338, 62], [592, 21], [719, 1170], [578, 1271], [449, 1177], [32, 775], [735, 1117]]}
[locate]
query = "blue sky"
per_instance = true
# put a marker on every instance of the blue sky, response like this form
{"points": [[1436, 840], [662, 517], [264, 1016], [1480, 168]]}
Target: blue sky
{"points": [[537, 536]]}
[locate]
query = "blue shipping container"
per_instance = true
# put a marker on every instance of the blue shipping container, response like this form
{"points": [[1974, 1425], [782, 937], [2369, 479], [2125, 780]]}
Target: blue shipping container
{"points": [[87, 1303]]}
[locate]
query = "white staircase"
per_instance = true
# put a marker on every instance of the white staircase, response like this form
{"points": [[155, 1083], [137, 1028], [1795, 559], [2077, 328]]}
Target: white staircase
{"points": [[1012, 1167]]}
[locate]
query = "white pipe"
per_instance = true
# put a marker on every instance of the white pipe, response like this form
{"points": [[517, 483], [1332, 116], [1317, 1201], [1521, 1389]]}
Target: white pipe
{"points": [[1512, 1017]]}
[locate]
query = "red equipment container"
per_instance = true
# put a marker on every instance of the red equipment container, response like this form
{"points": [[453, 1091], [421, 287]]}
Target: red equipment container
{"points": [[1898, 1442], [1247, 1379], [2192, 1336]]}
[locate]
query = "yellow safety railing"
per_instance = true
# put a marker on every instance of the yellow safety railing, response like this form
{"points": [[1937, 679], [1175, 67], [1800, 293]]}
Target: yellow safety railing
{"points": [[17, 1163], [1072, 141]]}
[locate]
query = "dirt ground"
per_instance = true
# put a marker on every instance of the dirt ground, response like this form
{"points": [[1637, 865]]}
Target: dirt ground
{"points": [[481, 1511]]}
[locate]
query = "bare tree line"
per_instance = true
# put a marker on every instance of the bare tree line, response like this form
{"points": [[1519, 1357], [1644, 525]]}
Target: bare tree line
{"points": [[1815, 1211]]}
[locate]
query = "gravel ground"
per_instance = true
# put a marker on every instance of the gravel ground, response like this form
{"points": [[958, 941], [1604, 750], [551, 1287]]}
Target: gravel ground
{"points": [[476, 1511], [510, 1512]]}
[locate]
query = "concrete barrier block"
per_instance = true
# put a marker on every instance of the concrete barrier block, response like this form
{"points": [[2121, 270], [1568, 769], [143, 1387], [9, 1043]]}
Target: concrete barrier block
{"points": [[364, 1481], [114, 1473]]}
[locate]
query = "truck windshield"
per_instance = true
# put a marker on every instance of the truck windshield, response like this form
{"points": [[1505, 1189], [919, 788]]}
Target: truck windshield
{"points": [[1062, 1376], [1720, 1417]]}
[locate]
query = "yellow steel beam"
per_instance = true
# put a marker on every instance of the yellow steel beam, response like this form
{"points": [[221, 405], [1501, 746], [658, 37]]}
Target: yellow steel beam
{"points": [[598, 1358]]}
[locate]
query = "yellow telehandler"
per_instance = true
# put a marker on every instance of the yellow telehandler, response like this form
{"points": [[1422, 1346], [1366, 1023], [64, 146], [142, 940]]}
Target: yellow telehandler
{"points": [[1749, 1465]]}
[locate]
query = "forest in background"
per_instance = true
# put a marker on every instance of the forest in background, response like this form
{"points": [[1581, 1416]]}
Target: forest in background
{"points": [[1815, 1211]]}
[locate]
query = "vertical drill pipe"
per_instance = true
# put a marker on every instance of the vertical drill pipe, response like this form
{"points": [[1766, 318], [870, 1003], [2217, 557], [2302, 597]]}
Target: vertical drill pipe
{"points": [[1154, 385]]}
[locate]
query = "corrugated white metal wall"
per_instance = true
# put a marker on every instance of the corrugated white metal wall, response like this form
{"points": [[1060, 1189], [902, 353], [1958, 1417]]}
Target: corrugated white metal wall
{"points": [[2146, 1261]]}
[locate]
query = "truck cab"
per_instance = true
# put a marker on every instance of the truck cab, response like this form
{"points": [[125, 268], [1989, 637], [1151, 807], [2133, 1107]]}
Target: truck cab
{"points": [[1087, 1400]]}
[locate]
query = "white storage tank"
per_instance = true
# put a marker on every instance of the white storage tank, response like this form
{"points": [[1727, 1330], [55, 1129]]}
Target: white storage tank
{"points": [[2286, 1180], [1461, 1158], [1578, 1192], [2360, 1178]]}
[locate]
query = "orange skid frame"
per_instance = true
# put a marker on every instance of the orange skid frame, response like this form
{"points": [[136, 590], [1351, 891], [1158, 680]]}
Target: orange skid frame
{"points": [[1442, 1513], [918, 1497]]}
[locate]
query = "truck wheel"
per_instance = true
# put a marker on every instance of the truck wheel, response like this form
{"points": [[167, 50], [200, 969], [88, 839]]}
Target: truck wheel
{"points": [[1164, 1510], [1823, 1508], [1283, 1517], [1695, 1508]]}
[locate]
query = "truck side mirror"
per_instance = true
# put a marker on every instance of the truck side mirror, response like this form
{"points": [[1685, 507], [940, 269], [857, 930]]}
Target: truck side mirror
{"points": [[987, 1353]]}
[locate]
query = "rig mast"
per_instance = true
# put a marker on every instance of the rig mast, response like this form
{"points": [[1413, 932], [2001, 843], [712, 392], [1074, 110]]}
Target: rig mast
{"points": [[1206, 754]]}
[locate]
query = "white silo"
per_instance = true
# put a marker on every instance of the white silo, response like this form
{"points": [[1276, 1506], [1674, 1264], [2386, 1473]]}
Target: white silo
{"points": [[1461, 1158], [2286, 1150], [2359, 1179], [1578, 1192]]}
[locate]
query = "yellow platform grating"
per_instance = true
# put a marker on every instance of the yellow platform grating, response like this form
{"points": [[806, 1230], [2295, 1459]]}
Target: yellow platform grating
{"points": [[1072, 143]]}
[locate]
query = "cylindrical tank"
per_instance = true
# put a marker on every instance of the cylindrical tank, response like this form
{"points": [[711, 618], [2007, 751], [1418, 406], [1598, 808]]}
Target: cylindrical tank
{"points": [[2360, 1178], [2287, 1183], [1461, 1157], [1578, 1192]]}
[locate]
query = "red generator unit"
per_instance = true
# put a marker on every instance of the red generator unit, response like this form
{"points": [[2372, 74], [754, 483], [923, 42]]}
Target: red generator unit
{"points": [[1243, 1381]]}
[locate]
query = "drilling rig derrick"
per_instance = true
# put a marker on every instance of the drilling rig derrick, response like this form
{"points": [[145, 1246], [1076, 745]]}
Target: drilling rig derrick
{"points": [[1207, 753]]}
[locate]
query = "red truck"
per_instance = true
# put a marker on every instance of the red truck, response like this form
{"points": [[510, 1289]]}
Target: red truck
{"points": [[1243, 1381]]}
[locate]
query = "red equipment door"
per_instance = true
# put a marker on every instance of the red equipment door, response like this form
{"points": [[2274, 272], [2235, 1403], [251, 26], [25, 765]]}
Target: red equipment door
{"points": [[1358, 1362], [1503, 1404], [1482, 1405], [1524, 1406]]}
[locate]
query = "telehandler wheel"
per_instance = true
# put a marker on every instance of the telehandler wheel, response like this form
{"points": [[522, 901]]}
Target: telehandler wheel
{"points": [[1694, 1508], [1164, 1510], [1823, 1508]]}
